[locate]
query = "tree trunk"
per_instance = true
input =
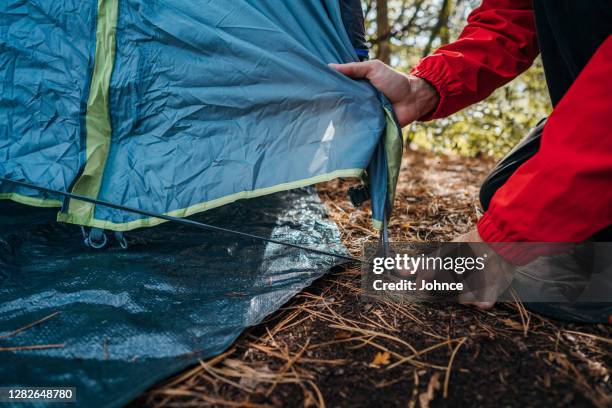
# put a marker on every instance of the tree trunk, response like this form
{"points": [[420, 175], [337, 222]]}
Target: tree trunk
{"points": [[441, 27], [383, 52]]}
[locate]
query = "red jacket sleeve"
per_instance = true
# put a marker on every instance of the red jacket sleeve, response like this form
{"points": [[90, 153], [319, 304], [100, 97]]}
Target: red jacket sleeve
{"points": [[498, 44], [564, 192]]}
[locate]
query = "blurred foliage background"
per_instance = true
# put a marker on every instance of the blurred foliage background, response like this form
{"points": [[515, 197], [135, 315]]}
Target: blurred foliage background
{"points": [[401, 32]]}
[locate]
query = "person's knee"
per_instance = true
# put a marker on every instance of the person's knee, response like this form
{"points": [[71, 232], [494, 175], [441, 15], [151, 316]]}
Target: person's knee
{"points": [[525, 150]]}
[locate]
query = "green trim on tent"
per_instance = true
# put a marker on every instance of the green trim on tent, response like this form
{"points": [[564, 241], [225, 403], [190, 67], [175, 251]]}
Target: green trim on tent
{"points": [[33, 201], [394, 149], [97, 118], [208, 205]]}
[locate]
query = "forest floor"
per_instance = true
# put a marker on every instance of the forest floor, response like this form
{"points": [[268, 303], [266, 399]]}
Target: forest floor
{"points": [[327, 347]]}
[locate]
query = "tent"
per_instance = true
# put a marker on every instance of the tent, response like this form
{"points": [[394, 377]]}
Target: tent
{"points": [[177, 107]]}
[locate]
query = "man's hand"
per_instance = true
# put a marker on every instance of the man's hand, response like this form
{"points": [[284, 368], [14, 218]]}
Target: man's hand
{"points": [[472, 236], [412, 97], [494, 280]]}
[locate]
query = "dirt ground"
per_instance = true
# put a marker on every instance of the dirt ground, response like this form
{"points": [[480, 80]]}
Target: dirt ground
{"points": [[328, 348]]}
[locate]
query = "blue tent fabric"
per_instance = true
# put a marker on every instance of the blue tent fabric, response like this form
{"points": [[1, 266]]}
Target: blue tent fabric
{"points": [[176, 108], [46, 51]]}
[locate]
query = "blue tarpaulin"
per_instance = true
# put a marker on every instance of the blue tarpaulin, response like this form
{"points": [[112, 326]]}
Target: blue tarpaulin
{"points": [[128, 319]]}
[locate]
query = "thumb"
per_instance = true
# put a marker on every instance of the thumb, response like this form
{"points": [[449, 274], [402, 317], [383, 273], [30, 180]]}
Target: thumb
{"points": [[354, 70]]}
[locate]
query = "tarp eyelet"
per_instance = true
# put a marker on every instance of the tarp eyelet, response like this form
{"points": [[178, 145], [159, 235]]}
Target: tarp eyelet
{"points": [[96, 239]]}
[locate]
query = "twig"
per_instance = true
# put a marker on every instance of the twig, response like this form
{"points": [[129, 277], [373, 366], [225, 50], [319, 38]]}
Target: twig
{"points": [[375, 334], [27, 326], [33, 347], [592, 336], [287, 366], [450, 364]]}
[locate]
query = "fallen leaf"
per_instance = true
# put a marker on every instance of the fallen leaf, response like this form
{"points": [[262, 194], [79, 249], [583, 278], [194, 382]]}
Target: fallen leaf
{"points": [[381, 359]]}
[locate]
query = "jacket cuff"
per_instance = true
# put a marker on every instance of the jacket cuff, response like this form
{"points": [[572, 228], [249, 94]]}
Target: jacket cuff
{"points": [[435, 81], [433, 70], [515, 253]]}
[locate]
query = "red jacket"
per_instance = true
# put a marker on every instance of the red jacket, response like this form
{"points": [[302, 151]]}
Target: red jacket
{"points": [[564, 192]]}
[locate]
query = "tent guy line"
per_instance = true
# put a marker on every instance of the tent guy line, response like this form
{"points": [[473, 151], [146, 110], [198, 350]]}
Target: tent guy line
{"points": [[183, 221]]}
